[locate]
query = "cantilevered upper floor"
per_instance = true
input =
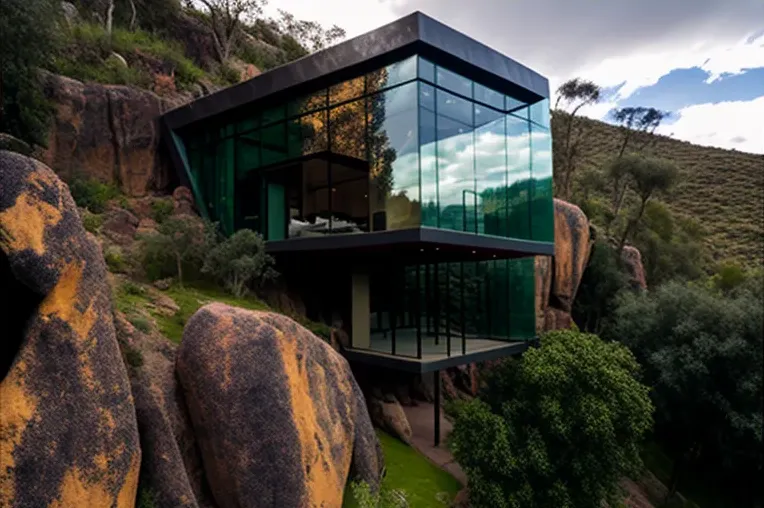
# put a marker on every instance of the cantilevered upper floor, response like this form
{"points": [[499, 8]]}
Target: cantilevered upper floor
{"points": [[410, 138]]}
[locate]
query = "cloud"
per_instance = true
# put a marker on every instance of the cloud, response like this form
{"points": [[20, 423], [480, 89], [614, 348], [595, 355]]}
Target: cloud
{"points": [[733, 124]]}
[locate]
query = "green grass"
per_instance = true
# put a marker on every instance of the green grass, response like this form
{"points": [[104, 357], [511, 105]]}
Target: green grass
{"points": [[723, 190], [422, 481], [191, 299]]}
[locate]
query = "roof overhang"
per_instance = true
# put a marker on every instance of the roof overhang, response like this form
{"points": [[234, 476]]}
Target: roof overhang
{"points": [[413, 34]]}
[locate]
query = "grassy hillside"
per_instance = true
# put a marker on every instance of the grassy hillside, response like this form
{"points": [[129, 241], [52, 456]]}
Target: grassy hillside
{"points": [[723, 190]]}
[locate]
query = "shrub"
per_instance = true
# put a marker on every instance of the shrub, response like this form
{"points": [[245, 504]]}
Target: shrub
{"points": [[91, 194], [131, 288], [133, 357], [141, 323], [114, 260], [702, 354], [384, 498], [558, 428], [240, 262], [178, 248], [91, 221], [161, 209]]}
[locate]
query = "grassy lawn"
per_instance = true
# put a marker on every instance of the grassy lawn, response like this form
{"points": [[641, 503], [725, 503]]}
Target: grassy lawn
{"points": [[131, 297], [407, 470]]}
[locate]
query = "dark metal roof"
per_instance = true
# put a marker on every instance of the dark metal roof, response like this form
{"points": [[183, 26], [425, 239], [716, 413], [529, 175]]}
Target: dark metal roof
{"points": [[413, 34]]}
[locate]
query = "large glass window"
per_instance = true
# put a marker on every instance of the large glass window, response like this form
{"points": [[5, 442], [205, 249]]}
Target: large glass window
{"points": [[409, 145]]}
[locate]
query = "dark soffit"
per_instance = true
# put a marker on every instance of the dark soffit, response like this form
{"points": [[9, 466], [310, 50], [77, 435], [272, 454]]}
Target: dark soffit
{"points": [[412, 34]]}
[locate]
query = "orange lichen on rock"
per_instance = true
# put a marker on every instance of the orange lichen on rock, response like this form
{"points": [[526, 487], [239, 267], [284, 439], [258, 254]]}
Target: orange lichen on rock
{"points": [[17, 408], [24, 224], [325, 481], [77, 490]]}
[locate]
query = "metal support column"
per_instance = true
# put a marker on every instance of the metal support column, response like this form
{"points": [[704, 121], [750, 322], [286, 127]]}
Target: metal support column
{"points": [[436, 426]]}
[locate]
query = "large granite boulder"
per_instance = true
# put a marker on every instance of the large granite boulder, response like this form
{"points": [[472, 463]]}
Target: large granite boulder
{"points": [[68, 434], [107, 132], [278, 415], [557, 279]]}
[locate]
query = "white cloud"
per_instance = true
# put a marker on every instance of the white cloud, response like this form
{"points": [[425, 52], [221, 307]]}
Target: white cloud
{"points": [[733, 124], [355, 16]]}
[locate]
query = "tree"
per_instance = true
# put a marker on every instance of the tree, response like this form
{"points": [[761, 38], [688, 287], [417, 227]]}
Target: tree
{"points": [[28, 40], [702, 355], [558, 428], [638, 120], [572, 95], [227, 18], [645, 177], [309, 34], [181, 240], [240, 261]]}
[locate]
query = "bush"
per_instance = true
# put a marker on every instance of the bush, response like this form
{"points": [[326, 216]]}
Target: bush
{"points": [[240, 262], [560, 427], [385, 498], [178, 248], [161, 210], [91, 194], [92, 222], [114, 260], [141, 323], [702, 353], [133, 357]]}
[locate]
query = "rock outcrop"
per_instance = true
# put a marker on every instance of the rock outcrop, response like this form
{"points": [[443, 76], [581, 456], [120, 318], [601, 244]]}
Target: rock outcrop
{"points": [[68, 433], [391, 417], [108, 132], [557, 279], [632, 259], [279, 417]]}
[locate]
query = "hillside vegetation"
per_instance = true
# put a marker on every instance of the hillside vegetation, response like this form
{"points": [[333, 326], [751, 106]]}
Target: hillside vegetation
{"points": [[721, 190]]}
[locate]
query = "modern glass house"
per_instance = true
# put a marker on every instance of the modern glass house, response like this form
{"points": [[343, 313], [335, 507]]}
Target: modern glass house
{"points": [[406, 175]]}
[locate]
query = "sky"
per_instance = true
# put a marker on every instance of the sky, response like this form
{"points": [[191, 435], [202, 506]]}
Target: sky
{"points": [[701, 60]]}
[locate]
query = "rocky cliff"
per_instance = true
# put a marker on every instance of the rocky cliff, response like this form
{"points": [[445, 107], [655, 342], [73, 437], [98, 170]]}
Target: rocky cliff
{"points": [[79, 428]]}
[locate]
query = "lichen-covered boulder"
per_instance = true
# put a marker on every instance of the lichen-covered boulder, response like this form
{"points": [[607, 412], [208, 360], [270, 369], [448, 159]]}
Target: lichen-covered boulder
{"points": [[391, 417], [572, 247], [68, 434], [278, 415]]}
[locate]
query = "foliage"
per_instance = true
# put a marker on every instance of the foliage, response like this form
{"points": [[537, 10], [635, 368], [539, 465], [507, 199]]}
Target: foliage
{"points": [[309, 35], [133, 357], [603, 280], [92, 194], [572, 95], [28, 36], [721, 189], [179, 246], [409, 472], [88, 57], [92, 222], [637, 121], [239, 262], [364, 497], [559, 428], [702, 353], [730, 275], [227, 17], [161, 209], [140, 323], [146, 498], [114, 259]]}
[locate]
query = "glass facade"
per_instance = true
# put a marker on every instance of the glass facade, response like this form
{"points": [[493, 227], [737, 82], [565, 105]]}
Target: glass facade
{"points": [[447, 308], [409, 145]]}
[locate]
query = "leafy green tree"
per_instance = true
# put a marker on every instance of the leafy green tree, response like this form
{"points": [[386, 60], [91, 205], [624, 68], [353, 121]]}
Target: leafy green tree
{"points": [[645, 177], [572, 95], [702, 354], [180, 242], [240, 261], [637, 121], [558, 428], [28, 40], [308, 34]]}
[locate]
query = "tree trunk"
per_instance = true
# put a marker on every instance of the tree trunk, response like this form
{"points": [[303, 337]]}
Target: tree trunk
{"points": [[179, 264], [134, 16], [109, 18], [630, 224]]}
